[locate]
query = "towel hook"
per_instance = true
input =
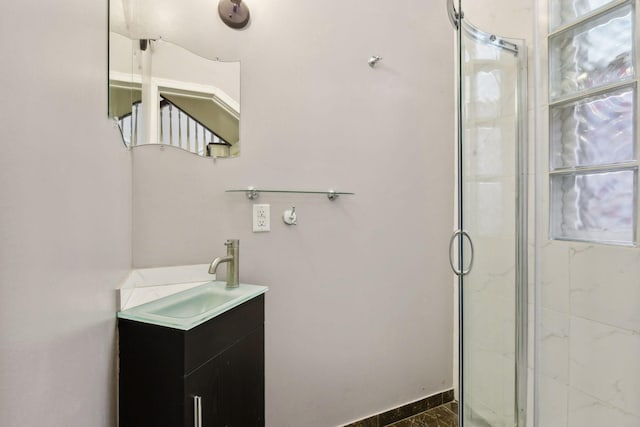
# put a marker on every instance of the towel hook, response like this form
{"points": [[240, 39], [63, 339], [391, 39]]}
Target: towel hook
{"points": [[289, 216]]}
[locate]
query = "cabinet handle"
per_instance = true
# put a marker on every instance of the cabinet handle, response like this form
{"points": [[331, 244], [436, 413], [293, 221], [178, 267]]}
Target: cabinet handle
{"points": [[197, 411]]}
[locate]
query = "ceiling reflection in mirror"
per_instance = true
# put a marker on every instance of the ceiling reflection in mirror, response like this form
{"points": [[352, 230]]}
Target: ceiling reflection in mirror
{"points": [[162, 92]]}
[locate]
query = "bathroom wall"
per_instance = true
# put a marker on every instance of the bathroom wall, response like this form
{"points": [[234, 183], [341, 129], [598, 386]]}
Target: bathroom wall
{"points": [[64, 217], [359, 312]]}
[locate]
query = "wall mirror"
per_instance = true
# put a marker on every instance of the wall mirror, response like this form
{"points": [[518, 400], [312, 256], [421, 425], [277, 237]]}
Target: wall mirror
{"points": [[163, 92]]}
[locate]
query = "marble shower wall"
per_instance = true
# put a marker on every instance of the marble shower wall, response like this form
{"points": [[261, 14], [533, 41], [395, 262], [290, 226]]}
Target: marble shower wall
{"points": [[588, 299], [588, 315], [589, 335]]}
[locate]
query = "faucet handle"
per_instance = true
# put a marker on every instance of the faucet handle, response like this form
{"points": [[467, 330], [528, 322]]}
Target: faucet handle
{"points": [[233, 246]]}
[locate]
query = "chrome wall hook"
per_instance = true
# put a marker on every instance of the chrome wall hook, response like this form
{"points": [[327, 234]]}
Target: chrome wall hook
{"points": [[374, 60], [289, 216]]}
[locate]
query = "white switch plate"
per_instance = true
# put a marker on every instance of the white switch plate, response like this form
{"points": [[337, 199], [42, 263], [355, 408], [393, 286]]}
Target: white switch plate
{"points": [[261, 218]]}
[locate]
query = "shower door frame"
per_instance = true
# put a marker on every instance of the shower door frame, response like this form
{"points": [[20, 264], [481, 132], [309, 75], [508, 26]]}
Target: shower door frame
{"points": [[519, 50]]}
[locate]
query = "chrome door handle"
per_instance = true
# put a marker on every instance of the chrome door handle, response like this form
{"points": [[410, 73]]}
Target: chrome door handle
{"points": [[197, 411], [453, 238]]}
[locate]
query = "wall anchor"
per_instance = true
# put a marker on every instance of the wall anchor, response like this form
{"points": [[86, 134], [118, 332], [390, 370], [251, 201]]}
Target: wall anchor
{"points": [[374, 60]]}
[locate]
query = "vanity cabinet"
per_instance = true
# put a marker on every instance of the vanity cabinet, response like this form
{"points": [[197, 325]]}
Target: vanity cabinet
{"points": [[209, 376]]}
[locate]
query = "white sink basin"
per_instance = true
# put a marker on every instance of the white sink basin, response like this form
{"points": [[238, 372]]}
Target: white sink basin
{"points": [[187, 309]]}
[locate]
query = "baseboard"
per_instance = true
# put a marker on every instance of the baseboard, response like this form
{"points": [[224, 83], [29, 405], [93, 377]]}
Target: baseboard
{"points": [[404, 411]]}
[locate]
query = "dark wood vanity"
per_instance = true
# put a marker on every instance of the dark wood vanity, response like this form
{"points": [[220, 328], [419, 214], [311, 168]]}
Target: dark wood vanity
{"points": [[210, 375]]}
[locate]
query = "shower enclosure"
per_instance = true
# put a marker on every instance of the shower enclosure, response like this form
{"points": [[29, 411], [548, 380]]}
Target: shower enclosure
{"points": [[489, 248]]}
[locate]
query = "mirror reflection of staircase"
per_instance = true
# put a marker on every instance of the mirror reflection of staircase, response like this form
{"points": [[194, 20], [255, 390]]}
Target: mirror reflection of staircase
{"points": [[177, 128]]}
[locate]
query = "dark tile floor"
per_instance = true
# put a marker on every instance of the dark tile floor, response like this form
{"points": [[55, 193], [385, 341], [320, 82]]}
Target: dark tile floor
{"points": [[442, 416]]}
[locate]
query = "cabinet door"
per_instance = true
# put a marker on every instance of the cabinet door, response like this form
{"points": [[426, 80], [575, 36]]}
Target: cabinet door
{"points": [[231, 386], [205, 383]]}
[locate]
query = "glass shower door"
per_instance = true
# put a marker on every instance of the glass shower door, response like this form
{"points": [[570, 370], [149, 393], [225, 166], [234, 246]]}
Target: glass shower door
{"points": [[491, 236]]}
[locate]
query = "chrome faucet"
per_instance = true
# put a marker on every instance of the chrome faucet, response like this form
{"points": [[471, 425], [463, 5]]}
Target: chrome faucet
{"points": [[233, 258]]}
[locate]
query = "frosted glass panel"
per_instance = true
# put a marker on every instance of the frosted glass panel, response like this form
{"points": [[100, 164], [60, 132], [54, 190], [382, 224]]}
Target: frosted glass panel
{"points": [[594, 206], [594, 131], [566, 11], [593, 54]]}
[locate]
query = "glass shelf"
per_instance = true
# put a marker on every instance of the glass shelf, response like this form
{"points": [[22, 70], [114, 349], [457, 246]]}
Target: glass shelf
{"points": [[253, 193]]}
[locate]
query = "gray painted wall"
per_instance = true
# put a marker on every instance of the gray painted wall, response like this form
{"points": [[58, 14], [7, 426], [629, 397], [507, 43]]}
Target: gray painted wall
{"points": [[359, 312], [65, 217]]}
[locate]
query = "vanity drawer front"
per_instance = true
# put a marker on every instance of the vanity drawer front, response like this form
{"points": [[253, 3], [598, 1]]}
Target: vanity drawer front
{"points": [[205, 341]]}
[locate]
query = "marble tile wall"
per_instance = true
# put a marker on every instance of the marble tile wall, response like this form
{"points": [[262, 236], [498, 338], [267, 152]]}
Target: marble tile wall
{"points": [[587, 303], [588, 311], [589, 335]]}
